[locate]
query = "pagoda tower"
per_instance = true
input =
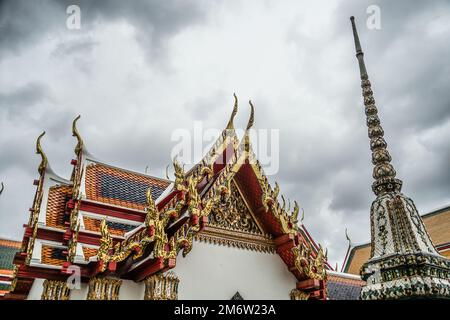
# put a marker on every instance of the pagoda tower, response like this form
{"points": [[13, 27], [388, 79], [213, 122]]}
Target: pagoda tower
{"points": [[403, 263]]}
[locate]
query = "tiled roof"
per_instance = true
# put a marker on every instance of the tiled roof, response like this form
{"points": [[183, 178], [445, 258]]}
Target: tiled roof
{"points": [[56, 206], [52, 256], [343, 288], [8, 249], [115, 228], [437, 224], [89, 252], [4, 287], [120, 187]]}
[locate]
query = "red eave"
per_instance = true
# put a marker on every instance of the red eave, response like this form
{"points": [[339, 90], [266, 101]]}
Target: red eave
{"points": [[117, 212]]}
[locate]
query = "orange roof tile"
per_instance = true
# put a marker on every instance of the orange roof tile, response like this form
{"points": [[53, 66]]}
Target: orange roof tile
{"points": [[52, 256], [120, 187], [114, 228], [89, 252], [56, 206], [10, 243]]}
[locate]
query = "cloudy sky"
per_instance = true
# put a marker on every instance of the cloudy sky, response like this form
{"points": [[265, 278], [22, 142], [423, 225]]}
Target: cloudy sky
{"points": [[139, 70]]}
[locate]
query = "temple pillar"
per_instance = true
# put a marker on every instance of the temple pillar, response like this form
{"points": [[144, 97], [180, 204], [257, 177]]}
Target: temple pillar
{"points": [[299, 295], [161, 287], [55, 290], [104, 289]]}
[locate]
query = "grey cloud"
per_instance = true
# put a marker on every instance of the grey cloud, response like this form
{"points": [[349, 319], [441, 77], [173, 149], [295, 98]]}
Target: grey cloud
{"points": [[23, 22], [15, 103], [154, 21], [324, 151], [83, 46]]}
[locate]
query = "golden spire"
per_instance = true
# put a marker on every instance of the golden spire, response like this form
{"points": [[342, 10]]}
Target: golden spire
{"points": [[76, 134], [233, 114], [44, 161]]}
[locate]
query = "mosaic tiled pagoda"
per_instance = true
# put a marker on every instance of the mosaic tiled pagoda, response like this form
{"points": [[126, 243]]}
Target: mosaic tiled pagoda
{"points": [[123, 231], [403, 262]]}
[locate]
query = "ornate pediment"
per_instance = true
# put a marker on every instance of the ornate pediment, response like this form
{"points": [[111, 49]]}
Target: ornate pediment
{"points": [[234, 214], [232, 223]]}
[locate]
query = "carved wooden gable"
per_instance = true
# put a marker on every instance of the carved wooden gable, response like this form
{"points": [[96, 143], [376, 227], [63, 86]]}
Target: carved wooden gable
{"points": [[232, 223]]}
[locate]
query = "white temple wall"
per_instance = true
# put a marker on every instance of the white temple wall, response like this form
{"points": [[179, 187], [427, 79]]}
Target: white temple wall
{"points": [[79, 294], [36, 290], [212, 271], [130, 290]]}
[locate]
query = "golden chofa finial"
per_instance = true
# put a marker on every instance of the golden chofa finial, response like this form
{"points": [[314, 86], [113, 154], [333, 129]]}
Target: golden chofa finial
{"points": [[149, 197], [39, 151], [167, 172], [348, 238], [230, 124], [295, 212], [252, 115], [76, 134]]}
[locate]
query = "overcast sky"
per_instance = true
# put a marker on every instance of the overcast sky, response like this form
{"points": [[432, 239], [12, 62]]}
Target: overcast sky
{"points": [[138, 70]]}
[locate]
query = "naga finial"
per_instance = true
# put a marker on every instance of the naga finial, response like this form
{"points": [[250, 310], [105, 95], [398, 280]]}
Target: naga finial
{"points": [[295, 212], [76, 134], [276, 190], [252, 115], [149, 197], [44, 161], [303, 215], [104, 228], [179, 175], [233, 114], [152, 211], [105, 241], [284, 203]]}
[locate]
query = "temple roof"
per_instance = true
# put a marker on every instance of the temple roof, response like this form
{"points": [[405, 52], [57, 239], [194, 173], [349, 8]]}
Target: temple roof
{"points": [[342, 286], [8, 249], [133, 225], [112, 185]]}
